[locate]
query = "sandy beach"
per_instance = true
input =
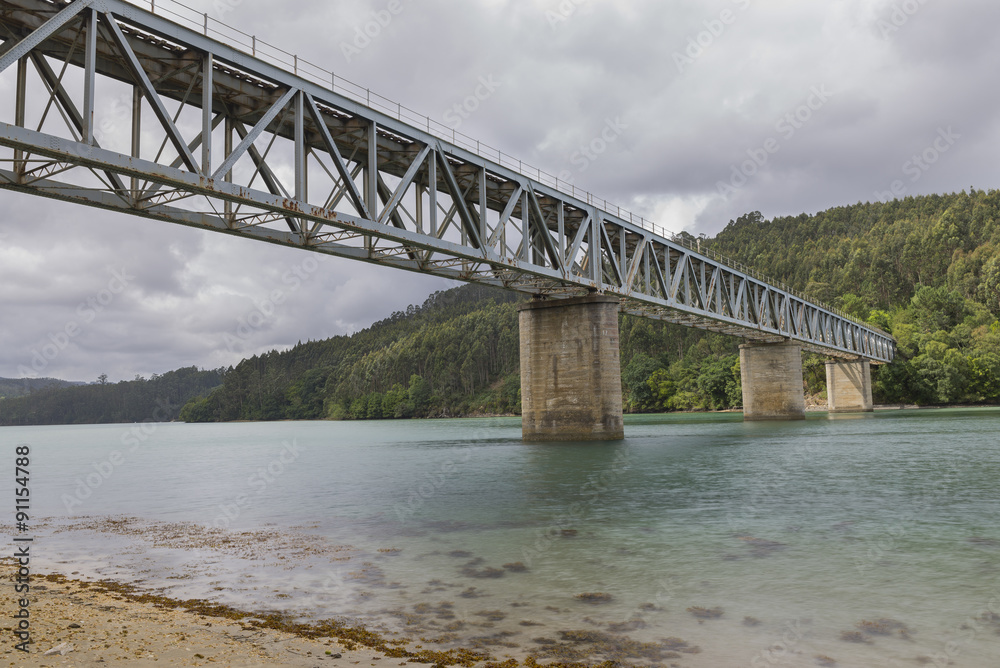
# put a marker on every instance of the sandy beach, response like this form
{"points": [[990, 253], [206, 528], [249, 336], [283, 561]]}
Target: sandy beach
{"points": [[91, 625]]}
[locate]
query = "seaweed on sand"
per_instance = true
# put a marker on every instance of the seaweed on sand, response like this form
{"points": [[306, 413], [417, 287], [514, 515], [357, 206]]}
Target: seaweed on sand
{"points": [[585, 645], [854, 636]]}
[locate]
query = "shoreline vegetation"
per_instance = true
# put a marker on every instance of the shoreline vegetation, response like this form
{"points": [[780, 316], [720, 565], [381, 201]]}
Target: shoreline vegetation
{"points": [[925, 269], [878, 408]]}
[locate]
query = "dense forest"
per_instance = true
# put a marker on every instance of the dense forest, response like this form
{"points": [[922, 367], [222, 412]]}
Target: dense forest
{"points": [[925, 269], [454, 355], [18, 387], [158, 399]]}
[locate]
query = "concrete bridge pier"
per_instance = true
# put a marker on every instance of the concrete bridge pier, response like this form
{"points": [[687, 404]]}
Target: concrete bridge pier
{"points": [[570, 371], [771, 374], [849, 386]]}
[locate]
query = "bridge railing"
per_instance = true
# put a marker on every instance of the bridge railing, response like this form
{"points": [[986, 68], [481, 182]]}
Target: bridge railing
{"points": [[178, 12]]}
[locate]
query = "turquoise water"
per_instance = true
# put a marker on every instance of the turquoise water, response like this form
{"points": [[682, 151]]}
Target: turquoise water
{"points": [[785, 535]]}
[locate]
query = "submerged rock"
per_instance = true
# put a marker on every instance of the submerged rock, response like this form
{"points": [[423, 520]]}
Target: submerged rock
{"points": [[854, 636], [706, 613]]}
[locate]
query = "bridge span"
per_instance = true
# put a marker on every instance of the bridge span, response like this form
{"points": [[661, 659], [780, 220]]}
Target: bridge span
{"points": [[154, 110]]}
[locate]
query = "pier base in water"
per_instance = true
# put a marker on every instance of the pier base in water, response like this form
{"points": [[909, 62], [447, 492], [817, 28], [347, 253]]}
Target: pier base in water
{"points": [[772, 381], [570, 372], [849, 386]]}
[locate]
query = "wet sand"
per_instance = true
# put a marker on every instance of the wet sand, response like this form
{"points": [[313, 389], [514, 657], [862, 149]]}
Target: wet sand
{"points": [[96, 626], [107, 623]]}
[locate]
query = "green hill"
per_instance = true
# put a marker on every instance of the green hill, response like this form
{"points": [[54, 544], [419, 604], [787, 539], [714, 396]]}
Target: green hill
{"points": [[457, 354], [881, 252], [926, 269], [158, 399], [440, 358], [19, 387]]}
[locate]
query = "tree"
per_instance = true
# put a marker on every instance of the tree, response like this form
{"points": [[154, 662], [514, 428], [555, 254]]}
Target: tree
{"points": [[634, 381], [989, 286], [937, 308], [420, 394]]}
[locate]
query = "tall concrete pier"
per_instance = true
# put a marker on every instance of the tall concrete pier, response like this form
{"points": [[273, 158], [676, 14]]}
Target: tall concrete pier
{"points": [[849, 386], [771, 374], [570, 371]]}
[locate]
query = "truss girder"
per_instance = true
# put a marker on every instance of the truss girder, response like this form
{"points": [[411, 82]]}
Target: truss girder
{"points": [[395, 194]]}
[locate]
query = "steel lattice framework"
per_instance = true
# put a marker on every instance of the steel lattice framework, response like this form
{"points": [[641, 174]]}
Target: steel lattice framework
{"points": [[203, 134]]}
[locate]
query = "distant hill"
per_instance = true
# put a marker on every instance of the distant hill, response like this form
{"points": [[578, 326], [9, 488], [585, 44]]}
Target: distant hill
{"points": [[159, 399], [455, 354], [18, 387]]}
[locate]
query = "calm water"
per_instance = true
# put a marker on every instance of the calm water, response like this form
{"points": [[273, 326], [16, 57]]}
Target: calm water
{"points": [[795, 532]]}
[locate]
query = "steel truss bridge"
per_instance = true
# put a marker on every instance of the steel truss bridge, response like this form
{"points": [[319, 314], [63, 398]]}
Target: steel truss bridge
{"points": [[118, 107]]}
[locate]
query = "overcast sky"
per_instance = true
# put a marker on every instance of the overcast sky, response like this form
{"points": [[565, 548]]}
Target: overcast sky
{"points": [[713, 108]]}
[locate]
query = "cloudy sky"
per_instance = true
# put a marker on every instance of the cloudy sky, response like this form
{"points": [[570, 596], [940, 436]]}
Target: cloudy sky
{"points": [[714, 108]]}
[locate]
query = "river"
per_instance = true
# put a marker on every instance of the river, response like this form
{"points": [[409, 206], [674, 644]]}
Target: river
{"points": [[700, 540]]}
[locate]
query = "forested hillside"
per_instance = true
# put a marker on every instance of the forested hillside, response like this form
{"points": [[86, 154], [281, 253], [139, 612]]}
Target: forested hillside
{"points": [[455, 355], [880, 252], [159, 399], [441, 358], [926, 269], [18, 387]]}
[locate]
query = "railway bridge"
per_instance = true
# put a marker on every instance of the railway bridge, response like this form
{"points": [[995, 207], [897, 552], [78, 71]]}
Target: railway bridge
{"points": [[155, 110]]}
